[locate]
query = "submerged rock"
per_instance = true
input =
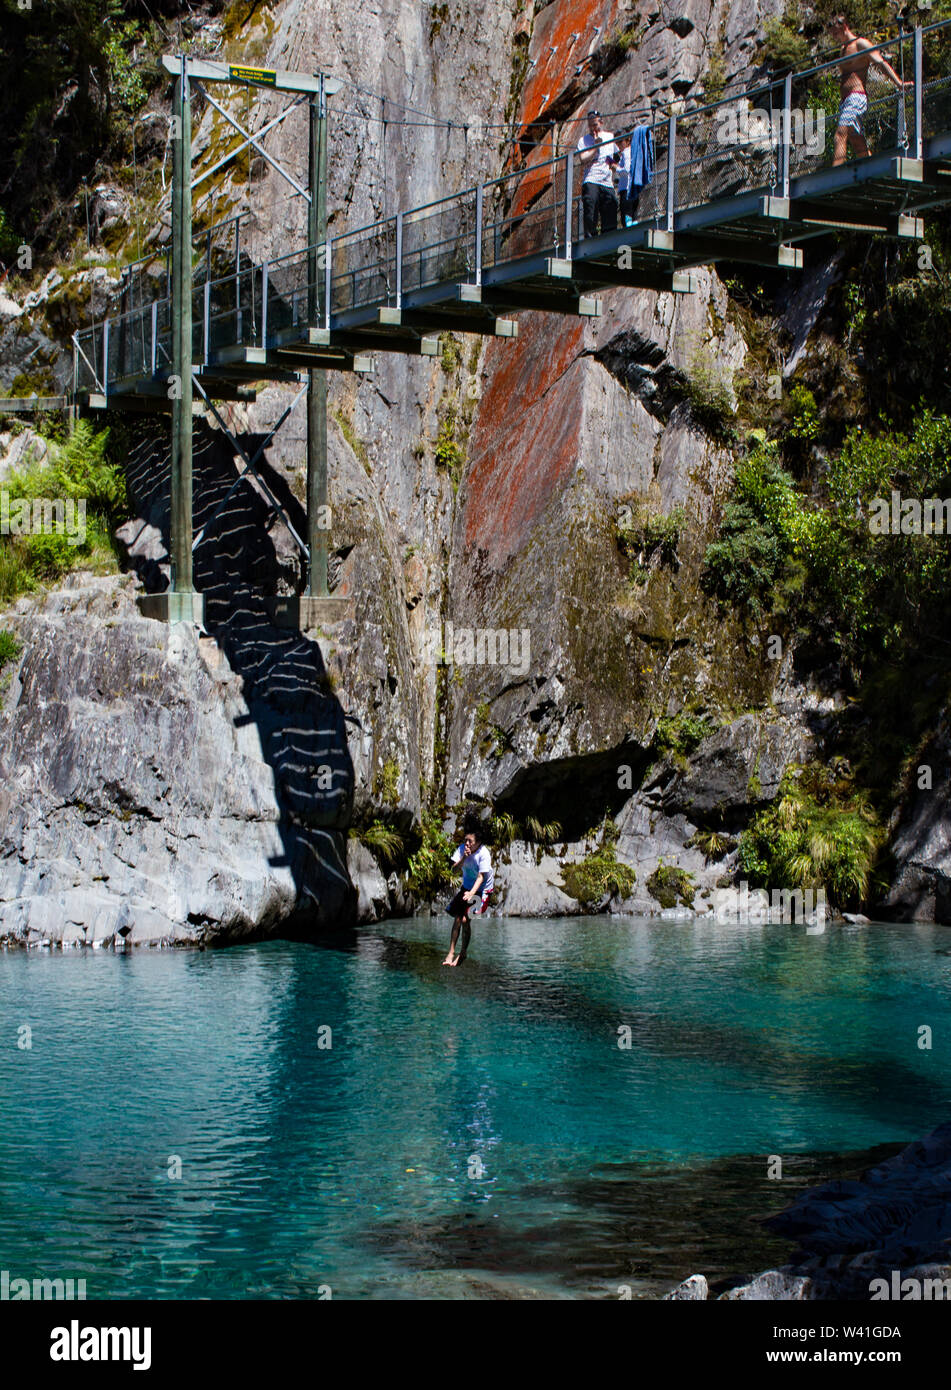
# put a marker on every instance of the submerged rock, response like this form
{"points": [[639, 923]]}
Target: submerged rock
{"points": [[693, 1287], [883, 1236], [774, 1284]]}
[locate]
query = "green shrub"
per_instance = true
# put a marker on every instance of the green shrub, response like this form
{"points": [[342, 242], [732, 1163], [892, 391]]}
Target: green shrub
{"points": [[450, 352], [538, 832], [714, 83], [357, 446], [50, 557], [430, 869], [682, 733], [712, 844], [10, 648], [503, 829], [39, 382], [804, 420], [783, 48], [708, 392], [447, 453], [755, 541], [386, 783], [882, 594], [818, 833], [872, 594], [15, 575], [126, 86], [669, 885], [79, 468], [9, 241], [599, 875], [649, 534], [383, 841]]}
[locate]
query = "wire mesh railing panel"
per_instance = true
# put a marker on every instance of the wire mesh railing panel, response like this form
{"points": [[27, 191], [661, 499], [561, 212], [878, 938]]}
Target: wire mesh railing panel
{"points": [[133, 337], [439, 243], [650, 202], [293, 293], [363, 268], [234, 308], [524, 213], [163, 337], [89, 375], [724, 152], [885, 120]]}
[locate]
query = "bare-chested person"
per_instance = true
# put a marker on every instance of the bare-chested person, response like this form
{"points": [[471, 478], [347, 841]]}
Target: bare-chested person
{"points": [[856, 62]]}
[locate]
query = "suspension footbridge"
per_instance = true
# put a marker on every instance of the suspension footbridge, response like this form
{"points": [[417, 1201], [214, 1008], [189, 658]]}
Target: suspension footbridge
{"points": [[733, 182]]}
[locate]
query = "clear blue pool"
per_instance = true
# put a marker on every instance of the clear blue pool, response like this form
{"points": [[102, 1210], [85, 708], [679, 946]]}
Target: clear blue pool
{"points": [[470, 1133]]}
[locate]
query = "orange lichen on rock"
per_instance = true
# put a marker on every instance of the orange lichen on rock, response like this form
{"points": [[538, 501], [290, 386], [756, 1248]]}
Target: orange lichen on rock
{"points": [[563, 39], [527, 437]]}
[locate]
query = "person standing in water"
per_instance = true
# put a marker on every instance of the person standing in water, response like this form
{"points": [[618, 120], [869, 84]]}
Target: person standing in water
{"points": [[856, 61], [478, 882]]}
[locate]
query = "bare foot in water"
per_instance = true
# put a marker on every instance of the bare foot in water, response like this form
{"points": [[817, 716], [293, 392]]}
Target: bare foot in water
{"points": [[457, 961], [449, 960]]}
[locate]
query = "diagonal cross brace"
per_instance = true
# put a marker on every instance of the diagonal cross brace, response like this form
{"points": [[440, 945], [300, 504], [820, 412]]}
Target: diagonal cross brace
{"points": [[250, 467], [253, 140], [226, 159], [95, 374]]}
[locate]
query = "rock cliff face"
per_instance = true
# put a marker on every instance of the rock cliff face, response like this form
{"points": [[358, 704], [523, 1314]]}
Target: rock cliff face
{"points": [[513, 529], [151, 794], [557, 429]]}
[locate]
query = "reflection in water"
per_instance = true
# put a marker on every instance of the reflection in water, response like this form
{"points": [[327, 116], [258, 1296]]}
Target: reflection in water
{"points": [[476, 1132]]}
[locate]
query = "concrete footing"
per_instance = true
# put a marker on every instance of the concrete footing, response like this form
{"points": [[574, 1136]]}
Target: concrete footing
{"points": [[304, 611], [173, 607]]}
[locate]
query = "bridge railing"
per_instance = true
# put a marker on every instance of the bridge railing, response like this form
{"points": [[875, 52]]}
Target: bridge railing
{"points": [[527, 211], [363, 267], [438, 242], [755, 141]]}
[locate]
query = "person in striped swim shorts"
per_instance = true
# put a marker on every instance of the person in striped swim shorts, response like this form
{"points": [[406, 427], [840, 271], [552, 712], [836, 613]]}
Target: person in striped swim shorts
{"points": [[857, 58]]}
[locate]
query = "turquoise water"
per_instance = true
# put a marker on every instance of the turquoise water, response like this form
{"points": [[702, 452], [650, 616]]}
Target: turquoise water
{"points": [[471, 1132]]}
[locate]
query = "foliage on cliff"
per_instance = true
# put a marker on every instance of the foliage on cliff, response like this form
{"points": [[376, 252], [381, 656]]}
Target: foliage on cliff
{"points": [[599, 875], [429, 869], [821, 558], [820, 832], [84, 468], [73, 74]]}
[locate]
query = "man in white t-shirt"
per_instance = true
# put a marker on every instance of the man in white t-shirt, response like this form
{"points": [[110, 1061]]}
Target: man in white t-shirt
{"points": [[478, 881], [598, 155]]}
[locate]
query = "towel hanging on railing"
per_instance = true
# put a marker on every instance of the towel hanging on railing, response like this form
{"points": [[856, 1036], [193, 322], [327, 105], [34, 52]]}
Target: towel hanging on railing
{"points": [[638, 160]]}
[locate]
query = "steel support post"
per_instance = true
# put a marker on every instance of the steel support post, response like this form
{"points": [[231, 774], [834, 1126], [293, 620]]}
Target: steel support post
{"points": [[181, 517], [317, 490], [671, 171], [787, 137], [919, 97]]}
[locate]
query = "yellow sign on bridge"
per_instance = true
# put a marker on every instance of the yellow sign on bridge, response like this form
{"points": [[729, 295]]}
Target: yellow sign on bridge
{"points": [[240, 74]]}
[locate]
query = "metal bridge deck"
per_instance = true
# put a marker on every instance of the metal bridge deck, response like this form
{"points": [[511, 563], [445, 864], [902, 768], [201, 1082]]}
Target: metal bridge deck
{"points": [[880, 195]]}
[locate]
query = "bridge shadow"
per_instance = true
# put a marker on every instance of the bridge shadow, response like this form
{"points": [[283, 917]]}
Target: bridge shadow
{"points": [[299, 721]]}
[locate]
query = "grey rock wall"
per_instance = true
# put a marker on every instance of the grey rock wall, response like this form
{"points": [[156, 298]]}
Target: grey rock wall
{"points": [[139, 802]]}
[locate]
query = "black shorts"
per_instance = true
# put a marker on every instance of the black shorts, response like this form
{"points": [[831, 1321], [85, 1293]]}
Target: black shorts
{"points": [[458, 907]]}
